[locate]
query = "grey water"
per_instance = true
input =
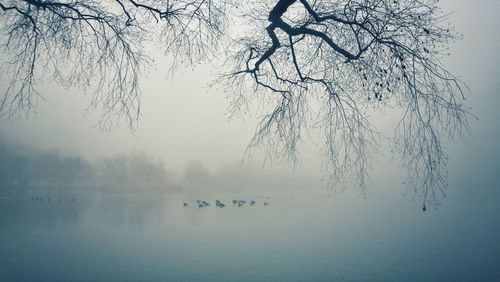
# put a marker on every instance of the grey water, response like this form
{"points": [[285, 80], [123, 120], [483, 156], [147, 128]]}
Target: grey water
{"points": [[98, 236]]}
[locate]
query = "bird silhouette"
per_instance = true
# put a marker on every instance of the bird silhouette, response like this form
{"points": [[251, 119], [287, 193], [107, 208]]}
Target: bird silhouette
{"points": [[219, 204]]}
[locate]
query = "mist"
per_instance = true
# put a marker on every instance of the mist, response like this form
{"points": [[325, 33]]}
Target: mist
{"points": [[28, 169], [130, 210]]}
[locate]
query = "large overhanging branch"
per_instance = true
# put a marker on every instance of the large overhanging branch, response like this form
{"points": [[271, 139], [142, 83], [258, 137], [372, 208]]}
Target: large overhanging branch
{"points": [[349, 55]]}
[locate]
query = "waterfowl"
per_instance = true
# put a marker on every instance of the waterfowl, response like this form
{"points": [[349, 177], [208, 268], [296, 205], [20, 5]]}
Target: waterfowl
{"points": [[219, 204]]}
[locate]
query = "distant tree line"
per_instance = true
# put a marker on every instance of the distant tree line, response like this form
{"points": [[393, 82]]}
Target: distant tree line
{"points": [[25, 169]]}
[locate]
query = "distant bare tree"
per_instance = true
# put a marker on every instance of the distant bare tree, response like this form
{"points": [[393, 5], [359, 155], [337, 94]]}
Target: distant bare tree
{"points": [[317, 64]]}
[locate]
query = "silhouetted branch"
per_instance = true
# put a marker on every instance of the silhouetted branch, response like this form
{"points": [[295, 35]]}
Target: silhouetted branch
{"points": [[328, 61], [97, 46]]}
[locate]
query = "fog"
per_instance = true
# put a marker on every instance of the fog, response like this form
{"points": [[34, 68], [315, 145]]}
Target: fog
{"points": [[183, 120], [127, 219], [28, 169]]}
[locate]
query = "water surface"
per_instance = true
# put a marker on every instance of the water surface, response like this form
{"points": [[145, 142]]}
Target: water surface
{"points": [[96, 236]]}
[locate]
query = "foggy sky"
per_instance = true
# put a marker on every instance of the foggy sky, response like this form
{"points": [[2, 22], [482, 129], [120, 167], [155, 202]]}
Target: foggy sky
{"points": [[184, 120]]}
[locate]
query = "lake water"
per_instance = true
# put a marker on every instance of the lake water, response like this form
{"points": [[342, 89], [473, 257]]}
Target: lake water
{"points": [[152, 237]]}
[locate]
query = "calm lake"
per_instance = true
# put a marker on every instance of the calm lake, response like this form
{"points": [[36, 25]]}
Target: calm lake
{"points": [[97, 236]]}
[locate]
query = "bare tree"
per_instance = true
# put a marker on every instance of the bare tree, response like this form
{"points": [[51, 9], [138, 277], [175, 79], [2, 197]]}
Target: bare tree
{"points": [[317, 64]]}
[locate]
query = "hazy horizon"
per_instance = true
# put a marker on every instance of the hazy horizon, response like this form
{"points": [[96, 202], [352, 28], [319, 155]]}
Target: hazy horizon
{"points": [[81, 204]]}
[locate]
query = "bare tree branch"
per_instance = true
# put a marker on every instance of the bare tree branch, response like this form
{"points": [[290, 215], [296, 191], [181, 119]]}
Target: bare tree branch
{"points": [[97, 46], [345, 58]]}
